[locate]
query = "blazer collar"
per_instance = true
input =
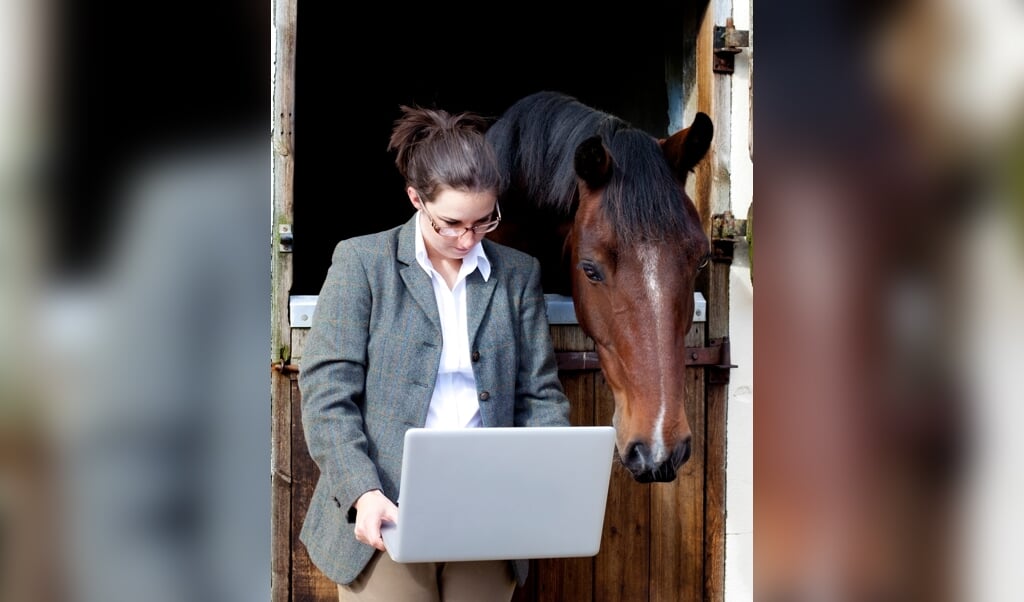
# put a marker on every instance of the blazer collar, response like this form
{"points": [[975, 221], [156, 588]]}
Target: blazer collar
{"points": [[416, 280], [407, 241], [478, 290], [478, 299]]}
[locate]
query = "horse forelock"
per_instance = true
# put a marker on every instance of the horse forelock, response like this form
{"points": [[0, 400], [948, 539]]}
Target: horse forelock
{"points": [[643, 200]]}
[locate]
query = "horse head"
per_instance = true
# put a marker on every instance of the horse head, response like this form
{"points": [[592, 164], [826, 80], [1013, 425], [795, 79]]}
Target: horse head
{"points": [[633, 265]]}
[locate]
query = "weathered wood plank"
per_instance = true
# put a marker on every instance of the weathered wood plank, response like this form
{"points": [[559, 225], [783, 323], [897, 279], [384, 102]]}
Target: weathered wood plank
{"points": [[714, 496], [570, 337], [715, 433], [713, 176], [308, 583], [298, 344], [563, 579], [621, 568], [557, 579], [281, 490], [705, 103], [677, 509], [284, 22]]}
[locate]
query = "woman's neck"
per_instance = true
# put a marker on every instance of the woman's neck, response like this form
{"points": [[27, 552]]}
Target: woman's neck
{"points": [[446, 267]]}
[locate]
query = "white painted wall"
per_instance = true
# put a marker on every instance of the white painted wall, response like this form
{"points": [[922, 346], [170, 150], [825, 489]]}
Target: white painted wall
{"points": [[739, 523]]}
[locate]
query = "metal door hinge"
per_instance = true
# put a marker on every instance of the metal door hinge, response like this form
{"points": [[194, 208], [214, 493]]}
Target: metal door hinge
{"points": [[725, 225], [729, 42]]}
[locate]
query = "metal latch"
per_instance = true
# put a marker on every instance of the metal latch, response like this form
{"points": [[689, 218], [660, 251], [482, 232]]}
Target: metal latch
{"points": [[728, 43], [715, 357], [284, 364]]}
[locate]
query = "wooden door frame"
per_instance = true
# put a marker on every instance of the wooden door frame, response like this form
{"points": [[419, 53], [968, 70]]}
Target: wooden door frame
{"points": [[283, 95], [712, 183]]}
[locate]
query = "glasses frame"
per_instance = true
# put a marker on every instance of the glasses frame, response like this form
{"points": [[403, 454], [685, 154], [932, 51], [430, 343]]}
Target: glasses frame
{"points": [[490, 226]]}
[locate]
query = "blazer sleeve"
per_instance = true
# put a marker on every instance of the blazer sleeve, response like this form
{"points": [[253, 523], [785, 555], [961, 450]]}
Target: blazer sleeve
{"points": [[540, 399], [332, 379]]}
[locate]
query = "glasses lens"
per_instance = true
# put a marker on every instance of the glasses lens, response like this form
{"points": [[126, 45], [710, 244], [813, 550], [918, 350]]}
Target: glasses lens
{"points": [[478, 229], [451, 232]]}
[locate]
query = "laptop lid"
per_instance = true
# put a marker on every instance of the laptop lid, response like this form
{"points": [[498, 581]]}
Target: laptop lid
{"points": [[501, 493]]}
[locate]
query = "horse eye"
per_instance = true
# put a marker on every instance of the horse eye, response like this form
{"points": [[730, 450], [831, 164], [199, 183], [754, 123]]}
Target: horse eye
{"points": [[704, 262], [591, 272]]}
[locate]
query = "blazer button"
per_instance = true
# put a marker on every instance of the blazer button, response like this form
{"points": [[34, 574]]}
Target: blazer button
{"points": [[484, 396], [476, 356]]}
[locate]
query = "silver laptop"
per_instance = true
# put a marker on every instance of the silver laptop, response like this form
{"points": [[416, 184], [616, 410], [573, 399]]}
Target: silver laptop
{"points": [[501, 493]]}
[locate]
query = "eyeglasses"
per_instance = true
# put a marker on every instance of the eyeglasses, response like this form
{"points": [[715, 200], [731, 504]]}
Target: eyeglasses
{"points": [[453, 232]]}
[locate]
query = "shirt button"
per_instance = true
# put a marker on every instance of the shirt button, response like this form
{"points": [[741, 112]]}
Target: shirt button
{"points": [[484, 396], [476, 356]]}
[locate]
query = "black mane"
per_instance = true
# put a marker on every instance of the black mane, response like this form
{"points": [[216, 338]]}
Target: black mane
{"points": [[536, 140]]}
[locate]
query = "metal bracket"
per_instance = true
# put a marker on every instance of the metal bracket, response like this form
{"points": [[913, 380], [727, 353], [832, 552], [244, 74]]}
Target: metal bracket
{"points": [[285, 238], [718, 374], [726, 231], [727, 44], [715, 357]]}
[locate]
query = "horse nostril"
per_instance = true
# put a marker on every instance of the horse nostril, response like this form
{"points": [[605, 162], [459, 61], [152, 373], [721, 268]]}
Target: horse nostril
{"points": [[682, 452], [686, 449], [635, 451], [637, 455]]}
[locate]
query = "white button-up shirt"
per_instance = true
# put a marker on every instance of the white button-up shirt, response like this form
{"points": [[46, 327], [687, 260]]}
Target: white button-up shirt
{"points": [[454, 403]]}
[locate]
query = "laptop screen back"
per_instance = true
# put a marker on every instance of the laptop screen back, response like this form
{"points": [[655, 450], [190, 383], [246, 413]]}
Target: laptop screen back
{"points": [[501, 493]]}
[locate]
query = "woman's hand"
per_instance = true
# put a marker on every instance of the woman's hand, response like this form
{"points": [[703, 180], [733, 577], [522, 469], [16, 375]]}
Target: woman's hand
{"points": [[372, 508]]}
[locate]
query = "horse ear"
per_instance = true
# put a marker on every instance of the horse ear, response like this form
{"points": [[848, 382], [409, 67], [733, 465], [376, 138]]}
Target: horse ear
{"points": [[684, 149], [593, 163]]}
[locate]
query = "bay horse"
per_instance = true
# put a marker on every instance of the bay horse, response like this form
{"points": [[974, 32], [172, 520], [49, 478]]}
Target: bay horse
{"points": [[603, 206]]}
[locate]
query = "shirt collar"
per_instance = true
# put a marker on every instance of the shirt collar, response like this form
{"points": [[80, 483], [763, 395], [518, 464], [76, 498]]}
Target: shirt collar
{"points": [[475, 259]]}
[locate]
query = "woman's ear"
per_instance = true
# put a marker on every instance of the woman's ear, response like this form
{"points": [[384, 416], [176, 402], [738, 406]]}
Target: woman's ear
{"points": [[414, 197]]}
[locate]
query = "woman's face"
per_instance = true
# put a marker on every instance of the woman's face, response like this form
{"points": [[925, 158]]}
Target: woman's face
{"points": [[453, 209]]}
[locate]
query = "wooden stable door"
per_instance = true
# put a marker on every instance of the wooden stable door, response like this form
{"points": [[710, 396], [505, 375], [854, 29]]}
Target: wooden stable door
{"points": [[652, 547], [656, 536]]}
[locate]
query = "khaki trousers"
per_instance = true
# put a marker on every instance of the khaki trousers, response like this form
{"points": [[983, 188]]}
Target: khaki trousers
{"points": [[384, 580]]}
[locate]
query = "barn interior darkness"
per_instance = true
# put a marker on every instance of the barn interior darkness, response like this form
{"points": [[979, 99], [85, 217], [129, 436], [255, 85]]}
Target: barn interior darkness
{"points": [[354, 70]]}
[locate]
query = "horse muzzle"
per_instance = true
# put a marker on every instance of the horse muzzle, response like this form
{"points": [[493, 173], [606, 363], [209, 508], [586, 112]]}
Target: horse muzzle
{"points": [[640, 462]]}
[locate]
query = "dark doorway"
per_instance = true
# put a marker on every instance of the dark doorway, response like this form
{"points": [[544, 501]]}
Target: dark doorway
{"points": [[354, 69]]}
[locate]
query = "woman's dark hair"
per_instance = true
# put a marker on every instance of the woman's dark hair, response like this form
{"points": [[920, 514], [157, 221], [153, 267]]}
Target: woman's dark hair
{"points": [[436, 150]]}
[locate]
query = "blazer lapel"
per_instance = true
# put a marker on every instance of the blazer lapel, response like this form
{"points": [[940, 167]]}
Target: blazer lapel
{"points": [[416, 280], [478, 296]]}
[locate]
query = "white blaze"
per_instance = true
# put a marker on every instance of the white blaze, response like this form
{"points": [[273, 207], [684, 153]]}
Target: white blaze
{"points": [[649, 259]]}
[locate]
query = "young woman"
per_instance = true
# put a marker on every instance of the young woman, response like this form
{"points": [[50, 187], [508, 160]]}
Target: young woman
{"points": [[426, 324]]}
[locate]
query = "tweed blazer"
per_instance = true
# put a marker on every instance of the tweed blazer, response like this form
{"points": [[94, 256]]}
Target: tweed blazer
{"points": [[369, 366]]}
